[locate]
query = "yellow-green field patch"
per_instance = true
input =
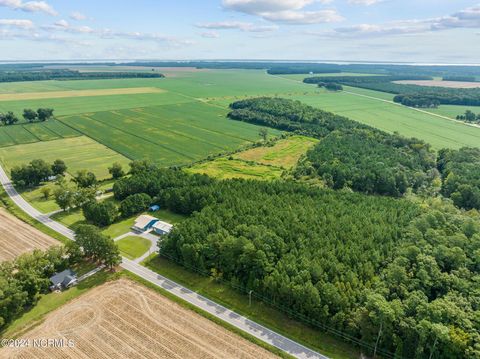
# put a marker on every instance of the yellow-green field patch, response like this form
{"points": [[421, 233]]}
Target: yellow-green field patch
{"points": [[78, 93], [78, 153], [284, 153], [224, 168]]}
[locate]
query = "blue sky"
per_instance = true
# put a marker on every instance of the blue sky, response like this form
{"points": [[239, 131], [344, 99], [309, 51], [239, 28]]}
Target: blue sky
{"points": [[428, 31]]}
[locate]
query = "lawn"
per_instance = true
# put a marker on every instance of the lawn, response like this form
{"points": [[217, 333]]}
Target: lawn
{"points": [[258, 311], [226, 168], [133, 247], [78, 153], [284, 153]]}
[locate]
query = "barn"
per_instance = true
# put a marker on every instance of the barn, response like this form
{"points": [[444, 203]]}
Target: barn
{"points": [[144, 223], [162, 228]]}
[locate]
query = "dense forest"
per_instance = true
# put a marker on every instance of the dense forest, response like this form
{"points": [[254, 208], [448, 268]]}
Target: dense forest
{"points": [[350, 154], [41, 75], [408, 95], [460, 171], [371, 267], [371, 162]]}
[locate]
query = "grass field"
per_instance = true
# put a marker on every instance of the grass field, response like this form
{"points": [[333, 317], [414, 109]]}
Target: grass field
{"points": [[284, 153], [133, 247], [78, 153], [17, 237], [122, 317], [225, 168]]}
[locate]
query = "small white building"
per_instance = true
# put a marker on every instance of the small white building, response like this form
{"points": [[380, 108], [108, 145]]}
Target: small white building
{"points": [[162, 228], [144, 223]]}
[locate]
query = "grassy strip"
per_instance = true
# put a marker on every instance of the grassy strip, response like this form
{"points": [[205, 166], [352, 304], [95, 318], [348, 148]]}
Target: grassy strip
{"points": [[51, 301], [19, 213], [220, 322], [258, 311]]}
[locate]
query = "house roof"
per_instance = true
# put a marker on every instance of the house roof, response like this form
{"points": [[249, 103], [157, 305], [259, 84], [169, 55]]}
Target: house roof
{"points": [[143, 220], [164, 226], [66, 276]]}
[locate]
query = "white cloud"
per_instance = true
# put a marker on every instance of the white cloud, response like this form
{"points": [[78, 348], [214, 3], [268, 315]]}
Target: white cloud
{"points": [[285, 11], [468, 18], [29, 6], [210, 34], [64, 25], [78, 16], [364, 2], [237, 25], [19, 23]]}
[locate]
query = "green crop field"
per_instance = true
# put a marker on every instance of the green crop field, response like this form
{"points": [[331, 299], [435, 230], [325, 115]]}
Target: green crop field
{"points": [[167, 135], [186, 120], [34, 132], [78, 153]]}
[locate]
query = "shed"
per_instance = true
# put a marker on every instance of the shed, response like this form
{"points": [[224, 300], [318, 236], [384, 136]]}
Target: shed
{"points": [[144, 222], [63, 280], [161, 227], [154, 208]]}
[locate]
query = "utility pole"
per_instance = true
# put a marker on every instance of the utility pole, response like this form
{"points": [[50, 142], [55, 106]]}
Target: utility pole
{"points": [[250, 298], [378, 339]]}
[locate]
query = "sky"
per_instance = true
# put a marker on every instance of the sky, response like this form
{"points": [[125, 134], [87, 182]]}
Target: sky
{"points": [[421, 31]]}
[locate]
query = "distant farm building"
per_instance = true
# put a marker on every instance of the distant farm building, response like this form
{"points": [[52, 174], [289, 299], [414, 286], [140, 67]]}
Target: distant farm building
{"points": [[162, 228], [144, 223], [63, 280]]}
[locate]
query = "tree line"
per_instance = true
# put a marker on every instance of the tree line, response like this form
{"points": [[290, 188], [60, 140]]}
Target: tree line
{"points": [[409, 95], [380, 269], [44, 75], [470, 117], [29, 115], [350, 154]]}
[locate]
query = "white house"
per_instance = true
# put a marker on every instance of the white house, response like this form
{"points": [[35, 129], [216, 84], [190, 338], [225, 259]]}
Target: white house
{"points": [[144, 223], [161, 227]]}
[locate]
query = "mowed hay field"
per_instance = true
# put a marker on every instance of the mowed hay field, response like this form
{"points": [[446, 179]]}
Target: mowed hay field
{"points": [[167, 135], [79, 153], [17, 237], [122, 319]]}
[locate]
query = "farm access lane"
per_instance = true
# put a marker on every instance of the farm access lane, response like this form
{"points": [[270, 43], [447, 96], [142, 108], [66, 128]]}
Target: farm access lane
{"points": [[266, 335]]}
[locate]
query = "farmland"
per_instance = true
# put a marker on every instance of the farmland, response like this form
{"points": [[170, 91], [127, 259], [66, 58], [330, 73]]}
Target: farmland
{"points": [[121, 318], [29, 133], [78, 153], [17, 237], [167, 135]]}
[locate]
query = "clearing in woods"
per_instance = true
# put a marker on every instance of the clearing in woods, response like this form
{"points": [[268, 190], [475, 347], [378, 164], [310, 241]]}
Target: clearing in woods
{"points": [[17, 237], [121, 318], [284, 153]]}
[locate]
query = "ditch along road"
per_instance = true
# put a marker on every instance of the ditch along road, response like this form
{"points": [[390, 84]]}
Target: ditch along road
{"points": [[266, 335]]}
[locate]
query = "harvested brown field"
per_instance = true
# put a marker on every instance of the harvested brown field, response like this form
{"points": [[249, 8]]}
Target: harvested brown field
{"points": [[123, 319], [17, 237], [438, 83], [78, 93]]}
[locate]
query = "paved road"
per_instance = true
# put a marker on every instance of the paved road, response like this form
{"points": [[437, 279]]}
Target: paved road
{"points": [[268, 336]]}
